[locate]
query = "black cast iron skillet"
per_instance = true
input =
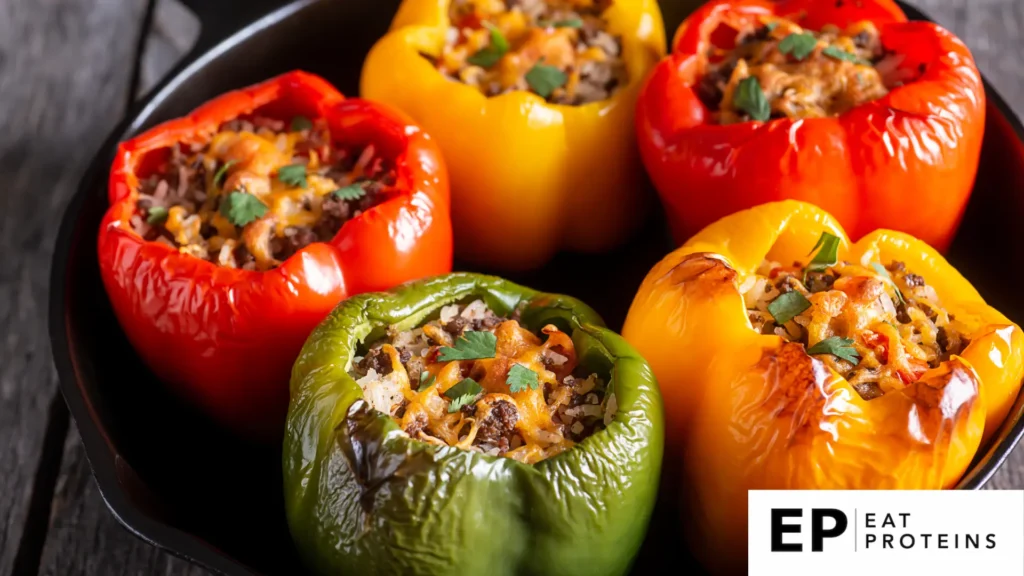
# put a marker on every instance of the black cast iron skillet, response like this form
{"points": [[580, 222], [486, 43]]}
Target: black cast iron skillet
{"points": [[175, 480]]}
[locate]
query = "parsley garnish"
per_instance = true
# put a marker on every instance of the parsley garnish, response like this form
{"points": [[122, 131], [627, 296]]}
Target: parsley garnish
{"points": [[798, 45], [490, 55], [840, 54], [880, 269], [470, 346], [838, 347], [300, 123], [293, 175], [350, 192], [772, 26], [462, 393], [241, 208], [827, 256], [885, 273], [520, 378], [222, 172], [156, 215], [544, 79], [567, 23], [426, 381], [751, 99], [788, 306]]}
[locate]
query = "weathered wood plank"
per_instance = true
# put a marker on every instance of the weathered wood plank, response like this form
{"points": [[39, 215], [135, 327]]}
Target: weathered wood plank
{"points": [[65, 68], [86, 540], [174, 30]]}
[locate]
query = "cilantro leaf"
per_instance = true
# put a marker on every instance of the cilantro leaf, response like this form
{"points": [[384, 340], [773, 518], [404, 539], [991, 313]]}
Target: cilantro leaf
{"points": [[293, 175], [492, 53], [885, 273], [788, 306], [880, 269], [827, 256], [222, 172], [470, 346], [838, 347], [241, 208], [798, 45], [751, 99], [520, 378], [772, 26], [156, 215], [840, 54], [462, 393], [426, 381], [350, 192], [544, 79], [567, 23], [300, 123]]}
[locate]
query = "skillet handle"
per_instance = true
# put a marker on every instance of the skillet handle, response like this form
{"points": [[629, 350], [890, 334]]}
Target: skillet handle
{"points": [[219, 19]]}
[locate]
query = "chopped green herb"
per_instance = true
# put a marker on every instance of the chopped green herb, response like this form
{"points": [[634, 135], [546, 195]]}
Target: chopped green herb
{"points": [[827, 256], [880, 269], [222, 172], [885, 273], [470, 346], [840, 54], [544, 79], [350, 192], [462, 393], [772, 26], [300, 123], [241, 208], [156, 215], [788, 306], [426, 381], [567, 23], [520, 378], [492, 53], [799, 45], [293, 175], [751, 99], [838, 347]]}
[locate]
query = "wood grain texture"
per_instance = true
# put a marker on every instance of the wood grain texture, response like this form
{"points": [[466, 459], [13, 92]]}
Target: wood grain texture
{"points": [[86, 540], [65, 68]]}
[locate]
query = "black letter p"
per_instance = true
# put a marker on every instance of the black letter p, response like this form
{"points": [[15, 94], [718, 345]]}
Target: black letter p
{"points": [[818, 532]]}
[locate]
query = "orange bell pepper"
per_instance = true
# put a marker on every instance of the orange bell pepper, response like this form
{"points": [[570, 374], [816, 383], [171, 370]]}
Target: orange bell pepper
{"points": [[746, 410], [528, 178]]}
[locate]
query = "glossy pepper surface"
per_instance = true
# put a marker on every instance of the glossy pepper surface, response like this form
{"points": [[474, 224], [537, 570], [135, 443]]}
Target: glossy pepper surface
{"points": [[362, 497], [905, 161], [523, 170], [745, 410], [227, 337]]}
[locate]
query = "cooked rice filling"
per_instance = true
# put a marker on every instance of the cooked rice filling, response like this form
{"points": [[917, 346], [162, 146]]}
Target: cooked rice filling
{"points": [[258, 191], [878, 327], [559, 49], [800, 73], [516, 394]]}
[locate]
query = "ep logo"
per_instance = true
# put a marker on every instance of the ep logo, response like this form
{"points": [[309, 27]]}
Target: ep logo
{"points": [[825, 523]]}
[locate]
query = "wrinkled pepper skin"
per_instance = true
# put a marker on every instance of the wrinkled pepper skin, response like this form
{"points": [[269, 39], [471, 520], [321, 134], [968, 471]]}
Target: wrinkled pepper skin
{"points": [[748, 411], [906, 161], [364, 498], [226, 338], [524, 171]]}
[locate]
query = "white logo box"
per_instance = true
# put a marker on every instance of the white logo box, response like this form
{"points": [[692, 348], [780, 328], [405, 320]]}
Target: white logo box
{"points": [[953, 532]]}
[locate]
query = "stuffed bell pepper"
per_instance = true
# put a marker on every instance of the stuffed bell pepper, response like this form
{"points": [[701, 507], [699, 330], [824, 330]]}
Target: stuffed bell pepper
{"points": [[467, 425], [844, 104], [790, 358], [233, 231], [532, 102]]}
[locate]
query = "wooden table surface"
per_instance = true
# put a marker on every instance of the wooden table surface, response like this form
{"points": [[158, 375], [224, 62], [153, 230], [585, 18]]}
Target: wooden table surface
{"points": [[68, 71]]}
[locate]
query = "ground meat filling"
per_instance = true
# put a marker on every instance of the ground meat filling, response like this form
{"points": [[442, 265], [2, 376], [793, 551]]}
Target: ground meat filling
{"points": [[558, 49], [478, 381], [879, 327], [258, 191], [779, 70]]}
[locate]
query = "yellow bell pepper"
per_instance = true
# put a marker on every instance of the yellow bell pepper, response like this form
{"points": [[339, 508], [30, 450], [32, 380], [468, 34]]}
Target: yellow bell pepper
{"points": [[746, 410], [528, 178]]}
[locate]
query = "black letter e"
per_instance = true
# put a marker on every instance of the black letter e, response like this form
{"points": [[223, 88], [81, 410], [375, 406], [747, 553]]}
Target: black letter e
{"points": [[779, 528]]}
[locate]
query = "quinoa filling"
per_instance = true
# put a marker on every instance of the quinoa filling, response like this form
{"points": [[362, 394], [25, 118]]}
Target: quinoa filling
{"points": [[780, 70], [258, 191], [879, 327], [558, 49], [478, 381]]}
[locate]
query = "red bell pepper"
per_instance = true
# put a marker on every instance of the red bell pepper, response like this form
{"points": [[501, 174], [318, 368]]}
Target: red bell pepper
{"points": [[227, 337], [905, 161]]}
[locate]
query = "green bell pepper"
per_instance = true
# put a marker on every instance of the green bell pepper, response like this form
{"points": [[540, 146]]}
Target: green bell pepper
{"points": [[362, 497]]}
